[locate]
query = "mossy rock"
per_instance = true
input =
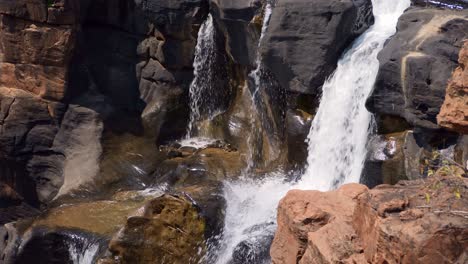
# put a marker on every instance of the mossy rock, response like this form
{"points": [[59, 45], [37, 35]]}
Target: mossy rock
{"points": [[169, 229]]}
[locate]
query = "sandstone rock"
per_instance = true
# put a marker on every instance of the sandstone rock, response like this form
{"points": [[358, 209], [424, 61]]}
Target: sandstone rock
{"points": [[35, 57], [310, 221], [454, 112], [416, 64], [389, 224], [302, 58], [168, 230]]}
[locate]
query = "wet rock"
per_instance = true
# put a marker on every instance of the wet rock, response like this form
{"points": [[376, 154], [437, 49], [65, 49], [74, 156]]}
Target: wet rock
{"points": [[410, 155], [168, 230], [298, 125], [449, 4], [332, 26], [236, 18], [389, 224], [9, 243], [454, 112], [416, 64], [42, 245], [255, 249]]}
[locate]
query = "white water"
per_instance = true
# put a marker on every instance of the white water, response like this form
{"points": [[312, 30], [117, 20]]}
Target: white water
{"points": [[84, 255], [337, 139], [255, 74], [203, 72], [196, 142]]}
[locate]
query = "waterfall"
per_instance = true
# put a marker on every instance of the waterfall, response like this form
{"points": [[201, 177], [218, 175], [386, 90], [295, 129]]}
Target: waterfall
{"points": [[255, 74], [82, 250], [337, 146], [257, 81], [203, 64], [339, 133]]}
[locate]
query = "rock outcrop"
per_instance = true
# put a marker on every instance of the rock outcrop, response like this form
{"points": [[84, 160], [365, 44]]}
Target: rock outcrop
{"points": [[168, 230], [454, 112], [75, 75], [304, 42], [416, 64], [411, 222]]}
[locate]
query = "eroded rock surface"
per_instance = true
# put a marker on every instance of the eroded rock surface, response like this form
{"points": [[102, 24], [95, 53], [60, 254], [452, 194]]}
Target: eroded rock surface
{"points": [[454, 112], [411, 222], [416, 64]]}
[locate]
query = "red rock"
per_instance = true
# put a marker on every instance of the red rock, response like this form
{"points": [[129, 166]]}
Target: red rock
{"points": [[389, 224], [454, 112]]}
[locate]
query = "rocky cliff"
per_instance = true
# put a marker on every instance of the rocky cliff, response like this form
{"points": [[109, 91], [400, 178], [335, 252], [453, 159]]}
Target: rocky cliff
{"points": [[95, 99]]}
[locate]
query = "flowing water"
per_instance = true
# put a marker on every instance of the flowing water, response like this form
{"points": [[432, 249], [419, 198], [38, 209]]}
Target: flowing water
{"points": [[203, 65], [82, 250], [337, 145], [255, 75]]}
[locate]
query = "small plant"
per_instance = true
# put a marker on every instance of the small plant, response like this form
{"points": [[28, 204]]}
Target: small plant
{"points": [[50, 3]]}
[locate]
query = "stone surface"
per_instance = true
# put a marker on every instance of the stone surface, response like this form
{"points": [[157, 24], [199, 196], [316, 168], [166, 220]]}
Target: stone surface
{"points": [[454, 112], [389, 224], [168, 230], [304, 42], [416, 64]]}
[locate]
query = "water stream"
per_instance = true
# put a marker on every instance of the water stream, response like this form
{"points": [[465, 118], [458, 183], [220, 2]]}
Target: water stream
{"points": [[203, 65], [337, 146], [82, 250]]}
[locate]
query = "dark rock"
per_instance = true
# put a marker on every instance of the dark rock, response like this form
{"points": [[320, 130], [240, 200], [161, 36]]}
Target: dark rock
{"points": [[53, 246], [298, 125], [235, 19], [416, 64], [449, 4], [304, 41], [255, 249], [9, 242]]}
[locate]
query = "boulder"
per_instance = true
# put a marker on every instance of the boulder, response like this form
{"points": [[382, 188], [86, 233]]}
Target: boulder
{"points": [[416, 64], [304, 41], [168, 229], [454, 112], [405, 223]]}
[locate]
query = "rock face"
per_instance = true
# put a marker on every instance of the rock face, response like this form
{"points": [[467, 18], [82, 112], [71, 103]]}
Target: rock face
{"points": [[454, 112], [405, 223], [75, 75], [416, 64], [304, 41]]}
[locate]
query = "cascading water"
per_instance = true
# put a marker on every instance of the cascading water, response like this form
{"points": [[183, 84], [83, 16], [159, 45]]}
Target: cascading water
{"points": [[337, 145], [257, 81], [255, 74], [339, 133], [82, 250], [203, 73]]}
